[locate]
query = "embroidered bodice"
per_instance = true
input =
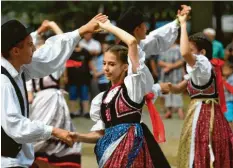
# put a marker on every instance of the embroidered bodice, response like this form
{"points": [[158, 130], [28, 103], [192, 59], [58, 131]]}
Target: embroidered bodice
{"points": [[120, 109], [207, 91]]}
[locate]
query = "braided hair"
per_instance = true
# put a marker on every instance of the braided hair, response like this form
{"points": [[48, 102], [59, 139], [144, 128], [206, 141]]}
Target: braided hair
{"points": [[202, 42]]}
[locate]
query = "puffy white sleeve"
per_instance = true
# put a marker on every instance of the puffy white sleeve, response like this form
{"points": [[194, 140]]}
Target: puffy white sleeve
{"points": [[200, 73], [160, 39], [140, 83], [95, 113], [34, 36], [156, 89], [52, 55], [59, 73]]}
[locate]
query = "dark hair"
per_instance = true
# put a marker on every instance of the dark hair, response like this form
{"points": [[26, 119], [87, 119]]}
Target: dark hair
{"points": [[202, 42], [120, 51], [6, 54]]}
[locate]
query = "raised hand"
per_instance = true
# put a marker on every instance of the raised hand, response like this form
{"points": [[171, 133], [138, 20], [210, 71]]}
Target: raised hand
{"points": [[183, 15], [102, 25], [44, 27], [63, 135], [185, 10], [93, 24]]}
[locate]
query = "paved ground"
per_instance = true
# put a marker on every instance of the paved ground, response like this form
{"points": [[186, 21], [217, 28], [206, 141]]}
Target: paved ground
{"points": [[173, 128]]}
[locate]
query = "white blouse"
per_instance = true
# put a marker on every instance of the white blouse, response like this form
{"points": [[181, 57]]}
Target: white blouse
{"points": [[200, 73], [137, 84], [142, 82]]}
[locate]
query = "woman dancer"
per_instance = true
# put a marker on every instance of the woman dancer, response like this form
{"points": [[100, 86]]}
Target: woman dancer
{"points": [[206, 136], [121, 141]]}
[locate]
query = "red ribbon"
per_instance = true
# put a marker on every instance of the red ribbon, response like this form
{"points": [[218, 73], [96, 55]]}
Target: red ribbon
{"points": [[218, 71], [72, 63], [157, 123], [228, 87]]}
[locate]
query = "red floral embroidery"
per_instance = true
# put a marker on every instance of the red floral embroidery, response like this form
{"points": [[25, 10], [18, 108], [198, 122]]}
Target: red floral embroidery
{"points": [[108, 115], [194, 92], [123, 107]]}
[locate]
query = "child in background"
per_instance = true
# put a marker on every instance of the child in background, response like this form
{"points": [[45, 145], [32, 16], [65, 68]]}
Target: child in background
{"points": [[228, 75], [171, 63]]}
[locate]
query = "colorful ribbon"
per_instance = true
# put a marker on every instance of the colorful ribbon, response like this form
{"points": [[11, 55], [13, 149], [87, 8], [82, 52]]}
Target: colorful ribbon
{"points": [[157, 123], [218, 71]]}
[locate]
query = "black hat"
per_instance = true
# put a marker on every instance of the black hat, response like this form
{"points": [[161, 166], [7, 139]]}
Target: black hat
{"points": [[129, 20], [12, 32]]}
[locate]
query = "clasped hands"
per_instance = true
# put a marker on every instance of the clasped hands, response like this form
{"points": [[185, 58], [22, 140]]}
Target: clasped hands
{"points": [[65, 136]]}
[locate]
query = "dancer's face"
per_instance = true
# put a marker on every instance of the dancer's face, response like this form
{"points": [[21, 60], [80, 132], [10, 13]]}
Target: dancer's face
{"points": [[114, 69], [23, 52], [140, 31], [195, 50]]}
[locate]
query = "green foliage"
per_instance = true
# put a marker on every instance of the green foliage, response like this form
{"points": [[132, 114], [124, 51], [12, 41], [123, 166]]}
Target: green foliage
{"points": [[71, 14]]}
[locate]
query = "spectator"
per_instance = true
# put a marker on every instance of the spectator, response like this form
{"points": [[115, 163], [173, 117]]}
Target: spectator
{"points": [[171, 63], [218, 50], [228, 75], [91, 45], [94, 48], [102, 80], [79, 86]]}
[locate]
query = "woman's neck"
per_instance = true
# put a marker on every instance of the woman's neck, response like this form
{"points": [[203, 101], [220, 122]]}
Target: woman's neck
{"points": [[119, 80], [114, 83]]}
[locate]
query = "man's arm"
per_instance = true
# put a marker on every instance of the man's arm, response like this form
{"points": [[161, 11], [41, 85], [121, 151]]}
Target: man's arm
{"points": [[162, 38], [57, 49]]}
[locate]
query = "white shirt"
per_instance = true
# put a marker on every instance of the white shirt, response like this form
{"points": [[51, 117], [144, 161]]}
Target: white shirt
{"points": [[137, 85], [157, 41], [91, 45], [200, 73], [46, 60], [160, 39]]}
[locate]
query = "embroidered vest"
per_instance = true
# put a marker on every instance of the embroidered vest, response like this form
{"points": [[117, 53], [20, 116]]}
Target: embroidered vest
{"points": [[209, 90], [121, 109]]}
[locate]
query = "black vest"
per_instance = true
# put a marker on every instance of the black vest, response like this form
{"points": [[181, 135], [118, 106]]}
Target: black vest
{"points": [[10, 148], [131, 113]]}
